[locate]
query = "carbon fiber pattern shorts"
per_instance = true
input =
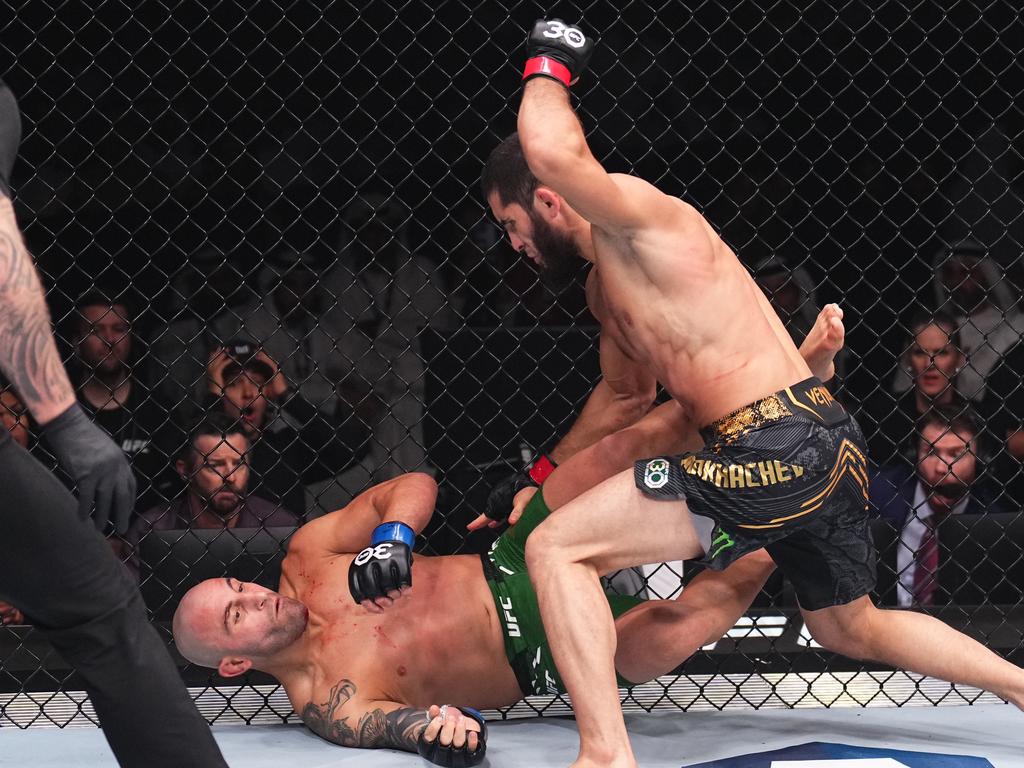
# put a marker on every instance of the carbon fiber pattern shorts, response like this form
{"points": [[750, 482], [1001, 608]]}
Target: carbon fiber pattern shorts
{"points": [[787, 473]]}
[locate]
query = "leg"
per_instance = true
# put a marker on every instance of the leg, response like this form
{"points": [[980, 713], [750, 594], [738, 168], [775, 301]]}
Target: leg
{"points": [[610, 527], [915, 642], [61, 573], [664, 431], [656, 637]]}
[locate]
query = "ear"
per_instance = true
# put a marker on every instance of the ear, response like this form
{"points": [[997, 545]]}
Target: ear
{"points": [[233, 667], [547, 202], [182, 469]]}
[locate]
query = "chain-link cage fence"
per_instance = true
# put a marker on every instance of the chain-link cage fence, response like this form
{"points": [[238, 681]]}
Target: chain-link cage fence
{"points": [[269, 213]]}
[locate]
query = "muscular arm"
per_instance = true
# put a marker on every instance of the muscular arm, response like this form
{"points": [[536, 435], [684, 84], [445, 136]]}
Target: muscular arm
{"points": [[28, 354], [556, 151], [621, 398], [344, 719], [409, 498]]}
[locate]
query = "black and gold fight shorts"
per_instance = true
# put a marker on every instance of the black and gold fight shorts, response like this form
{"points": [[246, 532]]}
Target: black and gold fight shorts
{"points": [[787, 473]]}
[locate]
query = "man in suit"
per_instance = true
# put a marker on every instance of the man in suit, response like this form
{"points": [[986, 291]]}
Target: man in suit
{"points": [[943, 482]]}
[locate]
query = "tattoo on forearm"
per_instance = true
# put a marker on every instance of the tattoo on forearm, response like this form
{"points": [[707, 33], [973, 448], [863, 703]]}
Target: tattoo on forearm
{"points": [[398, 729], [28, 355]]}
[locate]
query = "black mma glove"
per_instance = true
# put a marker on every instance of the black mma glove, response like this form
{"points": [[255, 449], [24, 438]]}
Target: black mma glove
{"points": [[10, 136], [499, 500], [455, 757], [385, 565], [98, 467], [557, 50]]}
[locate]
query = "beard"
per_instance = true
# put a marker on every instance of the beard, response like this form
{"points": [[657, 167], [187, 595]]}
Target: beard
{"points": [[224, 502], [560, 257]]}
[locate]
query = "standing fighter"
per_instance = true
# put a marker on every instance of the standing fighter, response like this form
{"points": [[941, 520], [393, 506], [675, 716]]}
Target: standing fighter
{"points": [[53, 566], [783, 466]]}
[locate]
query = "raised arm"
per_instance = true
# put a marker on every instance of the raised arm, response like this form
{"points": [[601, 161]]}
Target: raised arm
{"points": [[408, 499], [554, 144]]}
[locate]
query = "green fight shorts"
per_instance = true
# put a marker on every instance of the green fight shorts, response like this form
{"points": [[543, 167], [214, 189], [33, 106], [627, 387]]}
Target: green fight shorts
{"points": [[526, 645]]}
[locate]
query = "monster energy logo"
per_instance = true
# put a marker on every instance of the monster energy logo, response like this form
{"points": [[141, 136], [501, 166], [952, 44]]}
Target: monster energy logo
{"points": [[721, 543]]}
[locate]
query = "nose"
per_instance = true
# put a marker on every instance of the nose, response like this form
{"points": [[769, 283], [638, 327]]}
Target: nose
{"points": [[517, 243]]}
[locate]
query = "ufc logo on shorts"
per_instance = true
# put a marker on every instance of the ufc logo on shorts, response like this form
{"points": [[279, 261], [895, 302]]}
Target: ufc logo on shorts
{"points": [[510, 620], [571, 35], [380, 552]]}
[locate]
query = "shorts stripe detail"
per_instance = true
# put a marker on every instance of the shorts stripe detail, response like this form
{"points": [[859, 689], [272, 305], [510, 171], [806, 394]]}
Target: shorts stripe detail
{"points": [[849, 461]]}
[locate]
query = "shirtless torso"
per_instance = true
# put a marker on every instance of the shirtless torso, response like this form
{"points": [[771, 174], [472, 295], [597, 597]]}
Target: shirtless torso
{"points": [[407, 653], [677, 300]]}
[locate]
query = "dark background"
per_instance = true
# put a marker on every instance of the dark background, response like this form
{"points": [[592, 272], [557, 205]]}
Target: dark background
{"points": [[853, 140]]}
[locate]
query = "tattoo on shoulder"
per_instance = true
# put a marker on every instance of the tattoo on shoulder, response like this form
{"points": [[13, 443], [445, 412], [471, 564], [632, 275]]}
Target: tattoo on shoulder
{"points": [[398, 729]]}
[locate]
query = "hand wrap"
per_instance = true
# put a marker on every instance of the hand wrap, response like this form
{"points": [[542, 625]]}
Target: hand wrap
{"points": [[557, 50], [455, 757], [385, 565], [502, 495]]}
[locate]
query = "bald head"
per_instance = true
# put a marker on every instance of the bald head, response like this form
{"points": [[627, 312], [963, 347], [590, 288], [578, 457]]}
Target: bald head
{"points": [[231, 625], [191, 624]]}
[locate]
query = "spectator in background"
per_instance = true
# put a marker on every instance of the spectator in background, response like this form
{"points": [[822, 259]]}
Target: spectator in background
{"points": [[932, 358], [214, 466], [945, 481], [792, 294], [288, 451], [972, 288], [307, 330], [14, 416], [210, 299], [114, 397], [392, 292]]}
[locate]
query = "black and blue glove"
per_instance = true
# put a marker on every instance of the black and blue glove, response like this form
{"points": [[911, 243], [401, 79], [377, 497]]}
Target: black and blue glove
{"points": [[384, 566]]}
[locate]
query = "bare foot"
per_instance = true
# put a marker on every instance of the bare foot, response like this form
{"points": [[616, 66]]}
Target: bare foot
{"points": [[824, 341]]}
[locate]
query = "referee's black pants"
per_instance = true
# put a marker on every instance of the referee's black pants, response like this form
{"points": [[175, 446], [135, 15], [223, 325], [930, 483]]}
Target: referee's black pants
{"points": [[65, 578]]}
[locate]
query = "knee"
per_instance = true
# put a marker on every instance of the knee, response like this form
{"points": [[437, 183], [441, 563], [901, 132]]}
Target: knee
{"points": [[541, 548], [549, 546]]}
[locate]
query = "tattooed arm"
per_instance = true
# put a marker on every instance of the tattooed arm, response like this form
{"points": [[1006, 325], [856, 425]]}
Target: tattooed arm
{"points": [[345, 720], [28, 358], [28, 354]]}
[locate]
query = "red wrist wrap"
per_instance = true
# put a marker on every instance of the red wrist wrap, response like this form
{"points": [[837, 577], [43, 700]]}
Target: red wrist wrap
{"points": [[541, 469], [542, 65]]}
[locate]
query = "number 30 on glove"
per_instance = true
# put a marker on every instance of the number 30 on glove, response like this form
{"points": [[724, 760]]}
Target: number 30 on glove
{"points": [[557, 50], [384, 566]]}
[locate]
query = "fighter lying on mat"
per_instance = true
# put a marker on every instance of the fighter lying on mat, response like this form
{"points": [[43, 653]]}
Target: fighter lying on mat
{"points": [[469, 633], [472, 634]]}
